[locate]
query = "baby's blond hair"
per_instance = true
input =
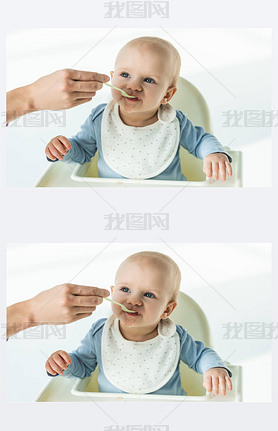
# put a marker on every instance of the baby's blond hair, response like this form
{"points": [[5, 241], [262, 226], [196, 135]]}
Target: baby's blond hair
{"points": [[167, 49], [161, 261]]}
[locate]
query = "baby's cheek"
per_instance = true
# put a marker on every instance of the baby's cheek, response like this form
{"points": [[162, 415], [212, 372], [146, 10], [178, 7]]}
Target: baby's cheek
{"points": [[115, 95]]}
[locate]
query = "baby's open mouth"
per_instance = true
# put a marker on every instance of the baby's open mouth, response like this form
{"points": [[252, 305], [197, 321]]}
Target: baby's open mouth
{"points": [[134, 98], [132, 313]]}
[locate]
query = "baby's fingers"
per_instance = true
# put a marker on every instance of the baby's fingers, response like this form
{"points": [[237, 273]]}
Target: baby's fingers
{"points": [[65, 142], [207, 383], [215, 384], [53, 150], [65, 356], [55, 366], [60, 361], [222, 170], [229, 383], [207, 168], [229, 169], [63, 149], [222, 385], [215, 169], [49, 368], [49, 154]]}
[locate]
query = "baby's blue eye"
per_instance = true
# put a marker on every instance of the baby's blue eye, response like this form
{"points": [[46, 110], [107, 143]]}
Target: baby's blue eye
{"points": [[149, 80], [124, 74], [125, 289], [149, 295]]}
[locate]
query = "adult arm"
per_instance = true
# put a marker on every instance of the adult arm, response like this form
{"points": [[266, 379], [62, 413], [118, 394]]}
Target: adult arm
{"points": [[61, 304], [62, 89]]}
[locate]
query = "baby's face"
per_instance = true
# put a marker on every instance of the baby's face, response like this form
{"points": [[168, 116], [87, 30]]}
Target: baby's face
{"points": [[143, 288], [143, 73]]}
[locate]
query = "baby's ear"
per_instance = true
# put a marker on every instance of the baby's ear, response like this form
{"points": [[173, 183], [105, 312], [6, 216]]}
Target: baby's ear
{"points": [[169, 94], [111, 288], [169, 310], [112, 74]]}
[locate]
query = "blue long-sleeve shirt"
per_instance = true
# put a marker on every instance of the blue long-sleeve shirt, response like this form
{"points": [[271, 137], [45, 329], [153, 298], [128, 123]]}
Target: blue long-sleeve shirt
{"points": [[88, 355], [88, 140]]}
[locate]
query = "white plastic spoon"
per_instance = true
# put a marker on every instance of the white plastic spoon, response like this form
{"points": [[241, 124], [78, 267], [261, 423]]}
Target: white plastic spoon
{"points": [[122, 91], [121, 305]]}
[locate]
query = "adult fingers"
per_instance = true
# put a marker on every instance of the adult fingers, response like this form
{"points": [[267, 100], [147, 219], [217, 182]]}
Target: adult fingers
{"points": [[80, 316], [79, 289], [80, 75], [77, 95], [84, 309], [85, 301], [85, 86], [80, 102]]}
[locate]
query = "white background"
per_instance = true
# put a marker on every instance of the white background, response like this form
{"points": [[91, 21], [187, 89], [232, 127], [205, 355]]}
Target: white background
{"points": [[242, 215], [240, 276], [231, 68]]}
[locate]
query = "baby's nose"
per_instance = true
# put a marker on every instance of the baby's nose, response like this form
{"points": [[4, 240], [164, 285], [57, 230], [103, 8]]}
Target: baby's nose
{"points": [[134, 300], [134, 84]]}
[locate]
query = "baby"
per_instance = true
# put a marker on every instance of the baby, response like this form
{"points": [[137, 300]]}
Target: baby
{"points": [[140, 137], [140, 352]]}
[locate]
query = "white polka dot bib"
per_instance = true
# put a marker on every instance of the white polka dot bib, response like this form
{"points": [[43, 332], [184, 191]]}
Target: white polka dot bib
{"points": [[139, 367], [139, 152]]}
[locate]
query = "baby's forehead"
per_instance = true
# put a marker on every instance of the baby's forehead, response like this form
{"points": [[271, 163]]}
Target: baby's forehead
{"points": [[146, 49], [148, 265]]}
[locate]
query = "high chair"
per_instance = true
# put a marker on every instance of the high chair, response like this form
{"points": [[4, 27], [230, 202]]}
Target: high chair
{"points": [[187, 99], [189, 315]]}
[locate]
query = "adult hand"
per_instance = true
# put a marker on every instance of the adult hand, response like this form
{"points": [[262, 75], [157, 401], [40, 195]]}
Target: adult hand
{"points": [[61, 304], [65, 89], [62, 89]]}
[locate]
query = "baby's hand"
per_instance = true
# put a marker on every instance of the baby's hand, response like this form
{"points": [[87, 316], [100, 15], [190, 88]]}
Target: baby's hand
{"points": [[57, 148], [215, 161], [215, 376], [58, 362]]}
